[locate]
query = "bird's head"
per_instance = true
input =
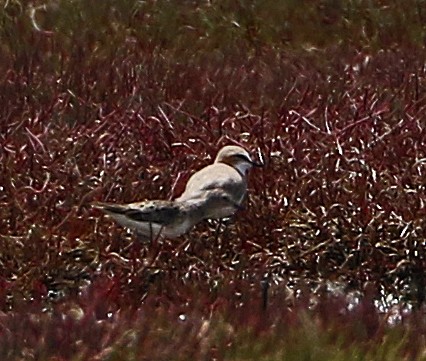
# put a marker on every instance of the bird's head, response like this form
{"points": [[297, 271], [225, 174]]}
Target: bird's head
{"points": [[237, 157]]}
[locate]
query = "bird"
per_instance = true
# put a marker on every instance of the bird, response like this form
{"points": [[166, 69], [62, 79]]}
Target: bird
{"points": [[214, 192]]}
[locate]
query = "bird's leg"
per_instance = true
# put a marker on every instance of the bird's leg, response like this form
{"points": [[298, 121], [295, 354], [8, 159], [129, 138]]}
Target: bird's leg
{"points": [[156, 247], [144, 240]]}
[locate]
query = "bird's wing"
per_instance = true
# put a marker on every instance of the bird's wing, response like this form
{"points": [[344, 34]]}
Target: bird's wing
{"points": [[161, 212]]}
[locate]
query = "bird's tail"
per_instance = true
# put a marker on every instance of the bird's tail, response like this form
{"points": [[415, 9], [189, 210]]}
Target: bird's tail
{"points": [[108, 207]]}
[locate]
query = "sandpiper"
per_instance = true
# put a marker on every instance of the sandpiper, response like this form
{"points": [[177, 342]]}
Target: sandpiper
{"points": [[215, 191]]}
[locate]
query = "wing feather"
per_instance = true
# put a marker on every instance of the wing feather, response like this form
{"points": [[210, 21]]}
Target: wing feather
{"points": [[161, 212]]}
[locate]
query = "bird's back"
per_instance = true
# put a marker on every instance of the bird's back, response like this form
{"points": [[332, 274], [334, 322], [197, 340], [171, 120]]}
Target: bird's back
{"points": [[217, 176]]}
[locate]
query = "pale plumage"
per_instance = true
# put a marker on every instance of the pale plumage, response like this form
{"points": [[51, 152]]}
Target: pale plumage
{"points": [[227, 174], [216, 191]]}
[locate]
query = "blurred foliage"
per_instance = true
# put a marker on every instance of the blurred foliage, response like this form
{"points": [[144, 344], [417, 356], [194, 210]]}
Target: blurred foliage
{"points": [[123, 100], [235, 327]]}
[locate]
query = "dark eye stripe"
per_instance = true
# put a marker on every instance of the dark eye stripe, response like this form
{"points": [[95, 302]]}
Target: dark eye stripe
{"points": [[243, 157]]}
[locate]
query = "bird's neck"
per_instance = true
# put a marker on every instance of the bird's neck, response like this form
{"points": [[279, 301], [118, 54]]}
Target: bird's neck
{"points": [[242, 168]]}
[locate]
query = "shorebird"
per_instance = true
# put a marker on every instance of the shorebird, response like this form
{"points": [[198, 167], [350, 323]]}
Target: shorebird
{"points": [[214, 192]]}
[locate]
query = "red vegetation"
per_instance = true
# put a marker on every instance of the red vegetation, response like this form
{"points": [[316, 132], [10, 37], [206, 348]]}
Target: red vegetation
{"points": [[336, 217]]}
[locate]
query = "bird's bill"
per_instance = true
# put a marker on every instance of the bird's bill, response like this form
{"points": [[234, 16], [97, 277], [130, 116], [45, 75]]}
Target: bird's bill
{"points": [[257, 164]]}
